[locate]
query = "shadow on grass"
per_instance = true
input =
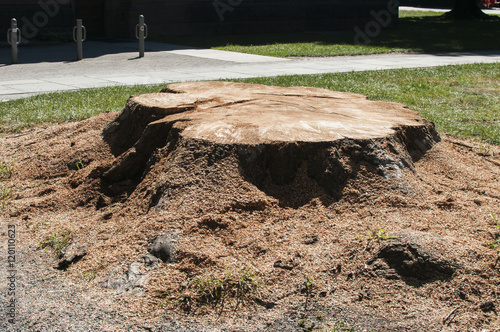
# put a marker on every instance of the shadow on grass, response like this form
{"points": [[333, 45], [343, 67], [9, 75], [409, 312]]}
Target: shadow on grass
{"points": [[426, 34]]}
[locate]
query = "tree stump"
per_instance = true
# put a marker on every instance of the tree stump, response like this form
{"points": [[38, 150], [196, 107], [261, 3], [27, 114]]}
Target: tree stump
{"points": [[271, 132]]}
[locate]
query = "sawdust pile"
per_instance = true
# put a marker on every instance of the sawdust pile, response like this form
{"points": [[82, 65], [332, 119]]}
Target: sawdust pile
{"points": [[177, 212]]}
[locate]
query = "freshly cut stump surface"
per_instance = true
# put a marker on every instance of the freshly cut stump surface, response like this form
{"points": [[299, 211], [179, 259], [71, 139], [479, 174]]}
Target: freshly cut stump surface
{"points": [[238, 113], [272, 131]]}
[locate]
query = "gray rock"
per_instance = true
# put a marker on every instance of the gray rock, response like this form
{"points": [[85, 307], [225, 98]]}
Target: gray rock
{"points": [[414, 256], [135, 276], [163, 248], [72, 254]]}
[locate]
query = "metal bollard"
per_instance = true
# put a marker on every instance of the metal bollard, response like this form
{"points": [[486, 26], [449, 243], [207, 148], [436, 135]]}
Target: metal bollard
{"points": [[141, 33], [14, 38], [79, 36]]}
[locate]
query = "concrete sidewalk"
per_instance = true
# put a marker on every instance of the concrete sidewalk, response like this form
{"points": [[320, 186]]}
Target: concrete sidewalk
{"points": [[51, 68], [489, 11]]}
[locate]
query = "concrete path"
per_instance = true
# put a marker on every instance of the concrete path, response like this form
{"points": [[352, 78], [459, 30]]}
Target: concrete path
{"points": [[51, 68]]}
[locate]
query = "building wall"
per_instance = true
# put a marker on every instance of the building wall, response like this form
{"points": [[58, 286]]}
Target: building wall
{"points": [[93, 14], [206, 17], [35, 16], [118, 18]]}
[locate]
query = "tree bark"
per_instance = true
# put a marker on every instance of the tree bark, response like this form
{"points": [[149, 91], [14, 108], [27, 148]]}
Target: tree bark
{"points": [[466, 10], [272, 136]]}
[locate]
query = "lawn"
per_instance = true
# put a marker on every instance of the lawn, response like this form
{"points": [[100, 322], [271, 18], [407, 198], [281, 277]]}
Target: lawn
{"points": [[417, 31], [463, 101], [66, 106]]}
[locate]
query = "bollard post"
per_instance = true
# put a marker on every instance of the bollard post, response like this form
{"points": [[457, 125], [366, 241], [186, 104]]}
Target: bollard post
{"points": [[141, 33], [79, 36], [14, 38]]}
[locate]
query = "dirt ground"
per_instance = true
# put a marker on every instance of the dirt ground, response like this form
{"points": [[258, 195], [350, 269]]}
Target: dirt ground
{"points": [[197, 242]]}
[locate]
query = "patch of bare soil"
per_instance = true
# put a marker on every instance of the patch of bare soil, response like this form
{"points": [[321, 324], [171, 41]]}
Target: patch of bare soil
{"points": [[152, 223]]}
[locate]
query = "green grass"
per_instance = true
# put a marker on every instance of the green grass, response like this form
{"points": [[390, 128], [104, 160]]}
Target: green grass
{"points": [[57, 240], [380, 235], [5, 170], [5, 190], [463, 101], [416, 32], [90, 275], [215, 290], [496, 242], [66, 106], [5, 193]]}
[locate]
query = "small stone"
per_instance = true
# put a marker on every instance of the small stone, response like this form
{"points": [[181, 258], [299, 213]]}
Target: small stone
{"points": [[134, 276], [279, 264], [310, 239], [487, 306], [163, 248], [337, 269], [266, 304], [73, 254]]}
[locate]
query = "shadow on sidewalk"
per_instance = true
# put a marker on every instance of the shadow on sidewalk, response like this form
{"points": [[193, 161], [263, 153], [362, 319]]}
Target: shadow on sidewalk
{"points": [[91, 49]]}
